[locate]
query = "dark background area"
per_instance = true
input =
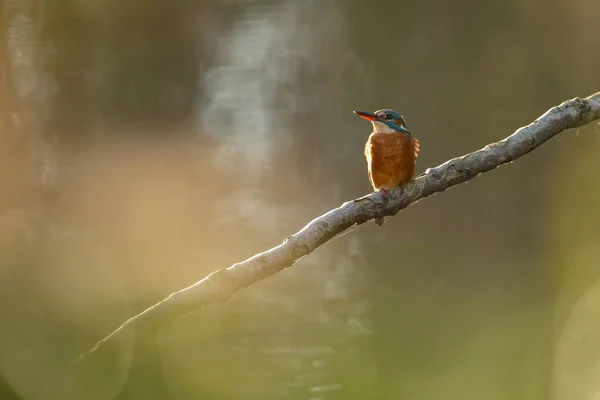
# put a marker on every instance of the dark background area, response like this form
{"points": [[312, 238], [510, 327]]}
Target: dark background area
{"points": [[144, 144]]}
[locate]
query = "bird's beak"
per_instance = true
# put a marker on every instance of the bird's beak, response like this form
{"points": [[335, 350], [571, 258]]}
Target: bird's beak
{"points": [[366, 115]]}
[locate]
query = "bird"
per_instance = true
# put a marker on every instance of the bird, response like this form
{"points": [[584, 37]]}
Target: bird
{"points": [[391, 150]]}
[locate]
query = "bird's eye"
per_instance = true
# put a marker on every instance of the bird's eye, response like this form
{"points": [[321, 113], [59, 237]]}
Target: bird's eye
{"points": [[389, 116]]}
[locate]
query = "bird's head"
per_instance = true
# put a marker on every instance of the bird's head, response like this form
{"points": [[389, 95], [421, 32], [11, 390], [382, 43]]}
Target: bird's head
{"points": [[385, 121]]}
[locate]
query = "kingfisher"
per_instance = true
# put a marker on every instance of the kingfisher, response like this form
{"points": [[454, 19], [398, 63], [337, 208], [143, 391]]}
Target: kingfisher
{"points": [[391, 150]]}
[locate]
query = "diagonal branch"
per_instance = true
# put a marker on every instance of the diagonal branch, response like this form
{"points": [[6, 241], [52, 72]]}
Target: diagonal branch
{"points": [[221, 284]]}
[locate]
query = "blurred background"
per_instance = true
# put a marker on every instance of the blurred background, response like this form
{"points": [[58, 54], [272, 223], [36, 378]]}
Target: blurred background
{"points": [[144, 144]]}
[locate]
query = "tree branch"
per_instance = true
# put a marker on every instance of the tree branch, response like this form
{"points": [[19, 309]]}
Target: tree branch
{"points": [[221, 284]]}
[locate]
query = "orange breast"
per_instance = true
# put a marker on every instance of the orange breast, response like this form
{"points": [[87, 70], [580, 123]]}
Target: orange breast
{"points": [[391, 159]]}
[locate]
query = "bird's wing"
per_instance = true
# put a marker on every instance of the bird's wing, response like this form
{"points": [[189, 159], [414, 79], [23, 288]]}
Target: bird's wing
{"points": [[416, 146]]}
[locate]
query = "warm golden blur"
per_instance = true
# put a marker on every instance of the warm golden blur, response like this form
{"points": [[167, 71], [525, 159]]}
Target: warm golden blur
{"points": [[144, 144]]}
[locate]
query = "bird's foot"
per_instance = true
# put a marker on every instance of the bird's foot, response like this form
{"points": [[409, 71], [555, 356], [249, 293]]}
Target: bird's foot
{"points": [[384, 194]]}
